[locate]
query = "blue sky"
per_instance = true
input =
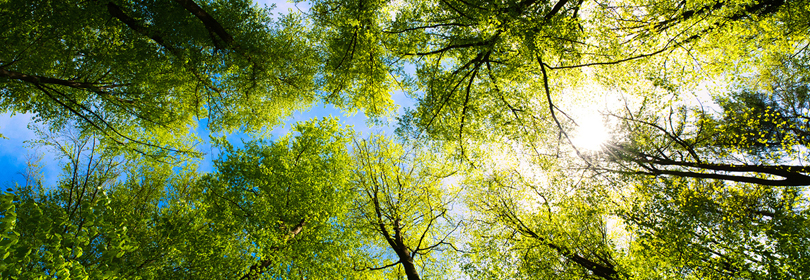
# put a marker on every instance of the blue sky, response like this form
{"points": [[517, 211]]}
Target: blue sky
{"points": [[16, 150]]}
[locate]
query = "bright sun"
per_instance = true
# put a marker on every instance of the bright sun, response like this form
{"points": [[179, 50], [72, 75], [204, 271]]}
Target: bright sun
{"points": [[585, 105], [591, 133]]}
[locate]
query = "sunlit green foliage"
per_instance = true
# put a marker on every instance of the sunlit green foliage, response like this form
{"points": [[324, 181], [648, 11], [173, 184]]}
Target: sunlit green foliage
{"points": [[704, 177], [287, 201], [101, 220], [719, 230], [141, 73], [401, 208]]}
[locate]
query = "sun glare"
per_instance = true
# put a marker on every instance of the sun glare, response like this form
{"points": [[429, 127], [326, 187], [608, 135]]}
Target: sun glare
{"points": [[591, 133]]}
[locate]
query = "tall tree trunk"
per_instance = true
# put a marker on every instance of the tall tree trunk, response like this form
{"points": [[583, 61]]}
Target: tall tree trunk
{"points": [[410, 269]]}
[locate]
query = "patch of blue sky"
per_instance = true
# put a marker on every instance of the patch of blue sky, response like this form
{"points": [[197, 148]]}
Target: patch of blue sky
{"points": [[283, 7], [358, 121], [17, 151]]}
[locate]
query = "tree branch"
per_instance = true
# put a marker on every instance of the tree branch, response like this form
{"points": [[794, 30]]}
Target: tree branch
{"points": [[255, 270], [116, 12], [210, 23], [95, 87]]}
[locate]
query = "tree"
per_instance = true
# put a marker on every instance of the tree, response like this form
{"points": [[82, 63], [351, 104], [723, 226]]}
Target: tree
{"points": [[753, 137], [486, 67], [358, 70], [699, 228], [270, 210], [716, 191], [286, 202], [491, 72], [534, 218], [101, 220], [681, 191], [401, 205], [141, 73]]}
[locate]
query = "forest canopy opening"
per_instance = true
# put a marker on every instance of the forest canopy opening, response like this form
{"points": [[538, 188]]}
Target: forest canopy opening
{"points": [[547, 139]]}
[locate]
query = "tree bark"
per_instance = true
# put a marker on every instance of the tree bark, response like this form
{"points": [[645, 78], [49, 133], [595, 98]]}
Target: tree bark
{"points": [[405, 257], [801, 180], [116, 12], [606, 271], [96, 87], [407, 263], [792, 174], [210, 23]]}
